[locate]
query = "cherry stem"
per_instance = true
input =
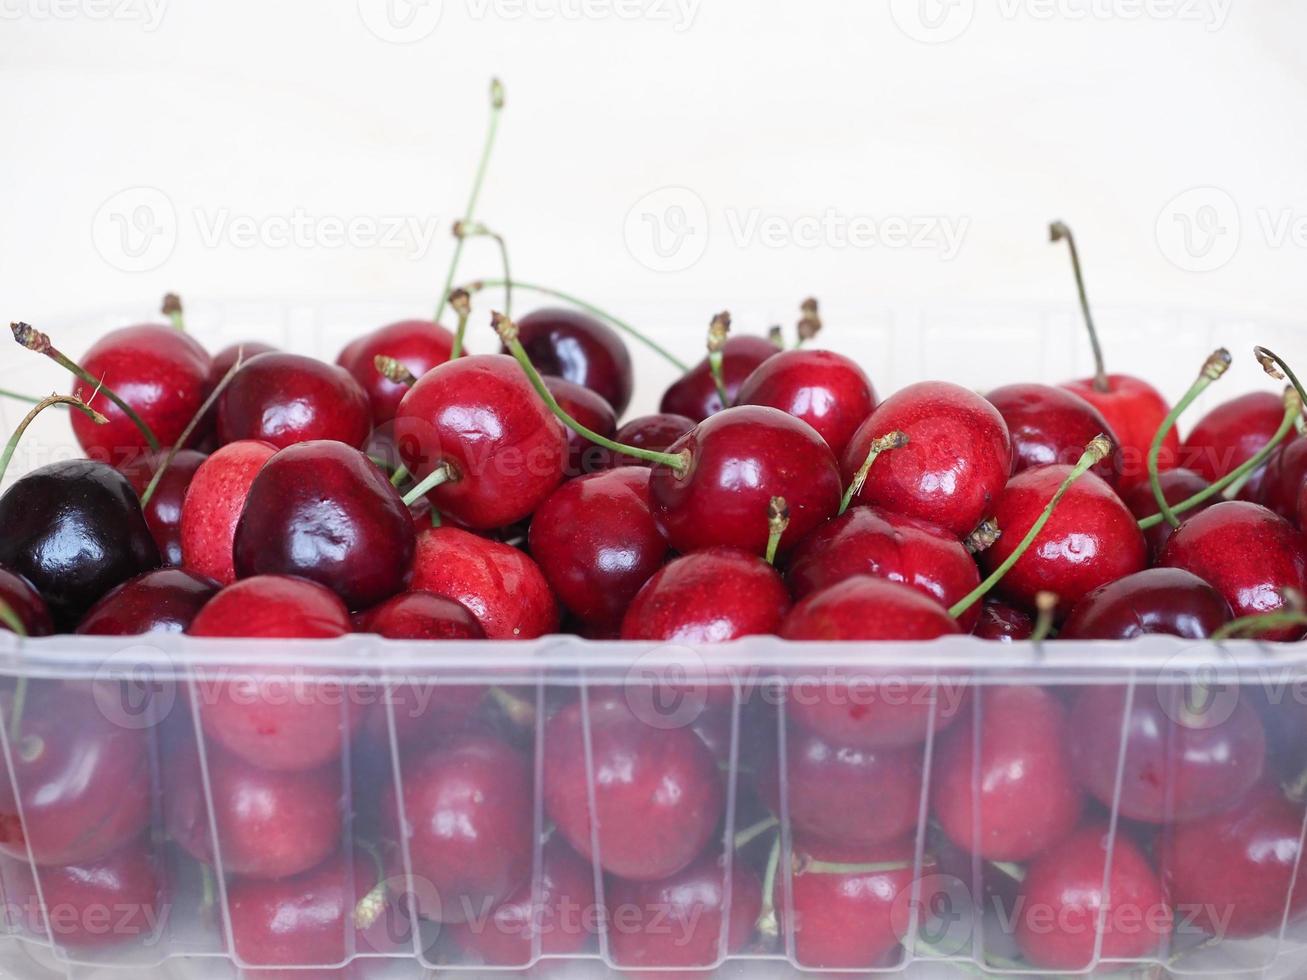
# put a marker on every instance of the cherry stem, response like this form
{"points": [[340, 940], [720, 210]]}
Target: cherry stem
{"points": [[1215, 366], [18, 396], [1058, 231], [750, 834], [1010, 868], [1292, 406], [496, 105], [883, 444], [590, 308], [778, 519], [37, 409], [776, 335], [1046, 604], [394, 370], [768, 925], [987, 532], [34, 340], [1259, 623], [462, 305], [208, 888], [172, 309], [444, 473], [809, 323], [400, 474], [370, 906], [187, 432], [1275, 366], [718, 331], [519, 711], [481, 231], [1097, 450], [808, 866], [11, 619], [507, 331]]}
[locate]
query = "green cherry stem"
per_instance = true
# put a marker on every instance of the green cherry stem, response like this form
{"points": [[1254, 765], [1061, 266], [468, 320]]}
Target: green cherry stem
{"points": [[882, 444], [462, 305], [1058, 231], [172, 309], [1045, 605], [481, 231], [399, 476], [718, 331], [71, 400], [10, 618], [749, 834], [444, 473], [1275, 366], [19, 396], [1213, 368], [371, 905], [1259, 623], [1097, 450], [812, 867], [768, 924], [778, 519], [394, 370]]}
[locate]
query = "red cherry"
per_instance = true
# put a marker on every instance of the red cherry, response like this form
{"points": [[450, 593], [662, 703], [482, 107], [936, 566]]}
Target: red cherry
{"points": [[1157, 600], [163, 513], [1250, 555], [1182, 761], [579, 348], [160, 372], [417, 344], [954, 466], [1286, 474], [695, 394], [501, 586], [583, 456], [655, 432], [1065, 909], [480, 418], [420, 616], [26, 603], [467, 823], [827, 390], [163, 601], [1003, 622], [1090, 539], [222, 362], [657, 792], [1053, 425], [1177, 485], [871, 541], [212, 507], [1232, 433], [596, 541], [288, 398], [1134, 411], [1004, 791]]}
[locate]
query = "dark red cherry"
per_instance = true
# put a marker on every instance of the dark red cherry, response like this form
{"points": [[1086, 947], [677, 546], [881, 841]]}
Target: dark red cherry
{"points": [[1134, 411], [956, 462], [695, 394], [467, 820], [1286, 474], [162, 601], [1157, 600], [479, 417], [1053, 425], [1005, 791], [657, 792], [420, 616], [1188, 753], [212, 507], [1079, 894], [692, 919], [577, 347], [597, 542], [1090, 540], [288, 398], [419, 345], [225, 359], [871, 541], [1003, 622], [270, 824], [25, 603], [500, 585], [323, 511], [1232, 433], [164, 511], [1178, 485], [162, 373], [583, 456], [1250, 555], [827, 390], [739, 459], [655, 432], [865, 708], [74, 529]]}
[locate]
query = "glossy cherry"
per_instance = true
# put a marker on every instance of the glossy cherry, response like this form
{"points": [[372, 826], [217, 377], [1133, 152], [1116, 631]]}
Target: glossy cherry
{"points": [[417, 344], [1178, 485], [165, 600], [1232, 433], [579, 348], [1158, 600], [288, 398], [323, 511], [827, 390], [695, 394], [225, 359], [655, 432], [1250, 555], [956, 462], [164, 511], [588, 408], [1134, 411], [1003, 622], [1053, 425], [25, 603], [212, 507], [1286, 475], [657, 792]]}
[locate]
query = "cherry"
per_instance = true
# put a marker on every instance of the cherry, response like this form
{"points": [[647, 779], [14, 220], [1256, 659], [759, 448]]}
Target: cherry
{"points": [[163, 513], [1177, 485], [692, 919], [225, 359], [467, 825], [1066, 907], [597, 543], [475, 423], [871, 541], [1286, 473], [1003, 790], [1183, 759], [708, 597], [321, 510], [272, 717], [557, 912], [827, 390], [579, 348], [594, 413], [865, 710], [420, 616], [656, 432], [83, 781], [113, 898], [419, 345], [695, 393], [1250, 555], [1158, 600], [212, 507], [74, 529], [288, 398], [25, 603], [1053, 425], [1003, 622], [500, 585], [1232, 433], [954, 465], [163, 601], [270, 824], [657, 793]]}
